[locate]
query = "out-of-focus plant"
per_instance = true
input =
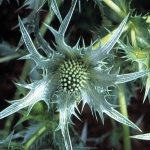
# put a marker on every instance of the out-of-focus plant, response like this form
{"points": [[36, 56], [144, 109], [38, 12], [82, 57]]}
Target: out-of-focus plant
{"points": [[69, 75]]}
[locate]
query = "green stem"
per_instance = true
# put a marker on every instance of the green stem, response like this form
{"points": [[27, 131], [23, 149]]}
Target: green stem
{"points": [[8, 125], [115, 8], [133, 37], [123, 110], [34, 137]]}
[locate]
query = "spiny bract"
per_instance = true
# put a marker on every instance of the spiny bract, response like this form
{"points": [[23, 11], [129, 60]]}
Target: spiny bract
{"points": [[71, 75]]}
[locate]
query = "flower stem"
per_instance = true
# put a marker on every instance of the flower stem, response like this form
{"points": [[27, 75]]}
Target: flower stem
{"points": [[66, 136], [8, 125], [115, 8], [34, 137], [133, 37], [123, 110]]}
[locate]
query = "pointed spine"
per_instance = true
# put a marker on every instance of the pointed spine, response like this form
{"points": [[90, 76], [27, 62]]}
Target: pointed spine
{"points": [[54, 6], [28, 42], [40, 91], [65, 22], [114, 38], [101, 52], [61, 46], [120, 118], [147, 88], [129, 77], [41, 62]]}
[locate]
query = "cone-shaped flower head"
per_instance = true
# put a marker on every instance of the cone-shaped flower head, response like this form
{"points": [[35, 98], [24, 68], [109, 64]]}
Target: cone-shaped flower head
{"points": [[71, 75]]}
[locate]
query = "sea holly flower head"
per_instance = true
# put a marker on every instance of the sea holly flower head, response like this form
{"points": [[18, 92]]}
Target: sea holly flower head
{"points": [[139, 54], [71, 75]]}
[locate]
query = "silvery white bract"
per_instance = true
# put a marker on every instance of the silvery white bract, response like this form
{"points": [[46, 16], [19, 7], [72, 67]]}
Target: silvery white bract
{"points": [[71, 75], [142, 136]]}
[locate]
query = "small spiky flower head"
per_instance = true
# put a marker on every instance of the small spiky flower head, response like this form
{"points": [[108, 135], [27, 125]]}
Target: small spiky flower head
{"points": [[71, 75], [141, 55]]}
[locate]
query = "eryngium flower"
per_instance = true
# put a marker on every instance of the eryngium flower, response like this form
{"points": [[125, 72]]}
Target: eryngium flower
{"points": [[71, 75]]}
